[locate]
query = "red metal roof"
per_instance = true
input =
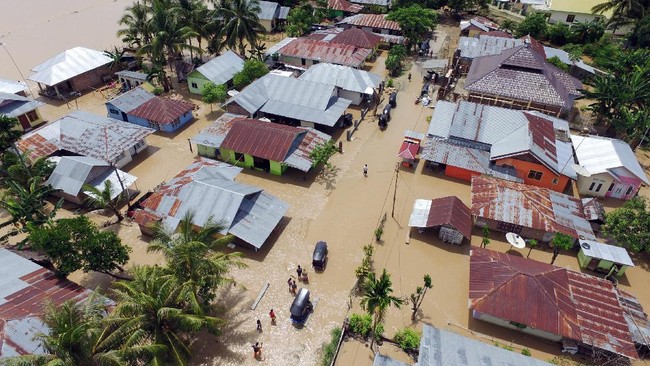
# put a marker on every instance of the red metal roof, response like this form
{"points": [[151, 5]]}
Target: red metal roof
{"points": [[573, 305], [408, 150], [344, 5], [323, 51], [36, 146], [264, 140], [358, 38], [543, 135], [163, 111], [451, 211], [372, 21]]}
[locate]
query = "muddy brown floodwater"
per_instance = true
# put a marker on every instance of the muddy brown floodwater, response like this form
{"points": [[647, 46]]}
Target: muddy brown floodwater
{"points": [[341, 207]]}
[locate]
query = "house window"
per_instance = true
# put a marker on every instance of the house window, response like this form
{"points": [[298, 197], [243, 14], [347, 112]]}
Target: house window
{"points": [[508, 166], [376, 30], [195, 85], [315, 62], [534, 174], [591, 187], [113, 111], [570, 18], [629, 190], [32, 116], [599, 186], [303, 62], [555, 181], [611, 186], [239, 156], [518, 325]]}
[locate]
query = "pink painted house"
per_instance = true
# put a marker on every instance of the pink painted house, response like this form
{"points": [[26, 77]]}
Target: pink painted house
{"points": [[607, 167]]}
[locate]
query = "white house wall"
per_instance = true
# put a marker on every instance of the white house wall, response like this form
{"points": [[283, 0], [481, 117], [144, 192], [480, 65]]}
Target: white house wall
{"points": [[355, 97], [561, 16], [506, 324], [585, 182]]}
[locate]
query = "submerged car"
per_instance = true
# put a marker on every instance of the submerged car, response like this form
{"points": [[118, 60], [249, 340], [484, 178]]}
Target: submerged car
{"points": [[301, 307], [319, 258]]}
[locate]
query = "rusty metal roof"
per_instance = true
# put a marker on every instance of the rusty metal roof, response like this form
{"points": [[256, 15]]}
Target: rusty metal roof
{"points": [[261, 139], [358, 38], [25, 287], [530, 206], [573, 305], [322, 51], [164, 111], [84, 134], [214, 134], [594, 210], [408, 150], [371, 21], [445, 211], [344, 5]]}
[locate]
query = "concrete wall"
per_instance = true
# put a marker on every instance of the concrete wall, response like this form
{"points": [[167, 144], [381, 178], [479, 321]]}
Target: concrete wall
{"points": [[90, 78], [355, 97], [524, 232], [77, 200], [460, 173], [277, 168], [506, 324], [30, 120], [267, 24], [548, 177], [603, 265], [128, 155], [499, 101], [237, 109], [195, 82], [620, 189], [604, 180], [114, 112]]}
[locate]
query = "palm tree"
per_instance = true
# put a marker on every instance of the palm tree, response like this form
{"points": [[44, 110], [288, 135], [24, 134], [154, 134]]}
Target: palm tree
{"points": [[508, 26], [588, 32], [195, 15], [623, 11], [103, 198], [26, 204], [241, 23], [116, 56], [377, 298], [136, 20], [193, 256], [153, 310]]}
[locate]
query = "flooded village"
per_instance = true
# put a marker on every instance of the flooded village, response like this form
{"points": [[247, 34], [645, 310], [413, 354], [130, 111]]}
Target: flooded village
{"points": [[474, 208]]}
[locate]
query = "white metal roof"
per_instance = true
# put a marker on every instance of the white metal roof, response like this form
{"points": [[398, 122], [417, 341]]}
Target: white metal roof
{"points": [[11, 86], [68, 64], [607, 252], [268, 10], [14, 105], [599, 154], [222, 68], [344, 77]]}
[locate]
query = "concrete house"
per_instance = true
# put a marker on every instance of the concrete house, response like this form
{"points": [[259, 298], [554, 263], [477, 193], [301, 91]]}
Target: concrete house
{"points": [[581, 311], [121, 105], [270, 13], [352, 84], [468, 139], [291, 101], [477, 25], [260, 145], [207, 189], [73, 172], [607, 167], [72, 71], [219, 70], [22, 108], [532, 212], [85, 134], [578, 11]]}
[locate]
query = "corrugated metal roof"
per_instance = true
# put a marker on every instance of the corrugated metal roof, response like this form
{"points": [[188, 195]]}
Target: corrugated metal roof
{"points": [[373, 2], [445, 348], [11, 86], [25, 287], [284, 12], [130, 100], [529, 206], [637, 319], [214, 134], [594, 210], [261, 139], [14, 105], [268, 10], [612, 253], [72, 172], [222, 68], [274, 49], [522, 73], [344, 77], [485, 45], [479, 22], [372, 21], [344, 5], [357, 37], [85, 134], [408, 150], [164, 111], [207, 188], [445, 211], [132, 75], [299, 155], [323, 51], [68, 64], [564, 57], [573, 305], [599, 154], [381, 360]]}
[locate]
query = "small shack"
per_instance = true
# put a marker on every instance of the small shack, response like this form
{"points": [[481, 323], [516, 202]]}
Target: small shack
{"points": [[601, 257], [131, 79], [449, 214], [410, 148]]}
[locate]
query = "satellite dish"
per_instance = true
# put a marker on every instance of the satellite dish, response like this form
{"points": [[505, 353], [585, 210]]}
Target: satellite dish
{"points": [[581, 170], [585, 246]]}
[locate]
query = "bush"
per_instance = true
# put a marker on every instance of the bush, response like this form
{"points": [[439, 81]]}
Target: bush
{"points": [[525, 352], [252, 70], [555, 61], [330, 348], [389, 83], [407, 339], [361, 324], [379, 332], [559, 34]]}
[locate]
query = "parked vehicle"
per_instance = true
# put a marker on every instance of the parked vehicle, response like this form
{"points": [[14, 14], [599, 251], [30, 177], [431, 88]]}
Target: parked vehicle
{"points": [[386, 111], [425, 90], [301, 307], [392, 99], [383, 122], [319, 258]]}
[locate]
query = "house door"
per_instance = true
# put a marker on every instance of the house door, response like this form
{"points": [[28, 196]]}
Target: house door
{"points": [[124, 117], [593, 264], [24, 123], [619, 190], [263, 164]]}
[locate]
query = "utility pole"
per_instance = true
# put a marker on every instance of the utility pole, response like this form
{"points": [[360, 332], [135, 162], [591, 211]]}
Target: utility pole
{"points": [[395, 191]]}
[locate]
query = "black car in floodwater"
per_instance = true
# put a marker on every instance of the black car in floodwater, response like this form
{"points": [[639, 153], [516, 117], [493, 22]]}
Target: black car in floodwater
{"points": [[301, 308], [319, 258]]}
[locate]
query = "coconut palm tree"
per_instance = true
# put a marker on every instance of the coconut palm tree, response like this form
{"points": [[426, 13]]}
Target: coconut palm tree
{"points": [[588, 32], [153, 310], [508, 26], [241, 23], [14, 167], [377, 298], [195, 15], [26, 203], [103, 198], [623, 11], [193, 256], [137, 24]]}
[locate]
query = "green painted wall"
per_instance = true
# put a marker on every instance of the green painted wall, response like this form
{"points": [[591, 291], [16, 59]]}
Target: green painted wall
{"points": [[277, 168], [248, 161], [584, 260], [207, 151], [198, 79]]}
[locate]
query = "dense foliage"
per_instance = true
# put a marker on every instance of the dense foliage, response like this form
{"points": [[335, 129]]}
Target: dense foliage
{"points": [[253, 69], [629, 226], [416, 22], [408, 339]]}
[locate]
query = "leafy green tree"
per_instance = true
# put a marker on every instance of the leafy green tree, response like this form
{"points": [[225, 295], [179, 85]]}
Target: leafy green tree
{"points": [[322, 154], [486, 237], [241, 23], [153, 310], [253, 69], [102, 198], [559, 34], [534, 25], [418, 296], [194, 258], [555, 61], [408, 339], [640, 36], [212, 93], [588, 32], [300, 20], [415, 22], [560, 242], [629, 225], [532, 243], [508, 25], [395, 59], [9, 132], [14, 167], [77, 243], [26, 204], [377, 298]]}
